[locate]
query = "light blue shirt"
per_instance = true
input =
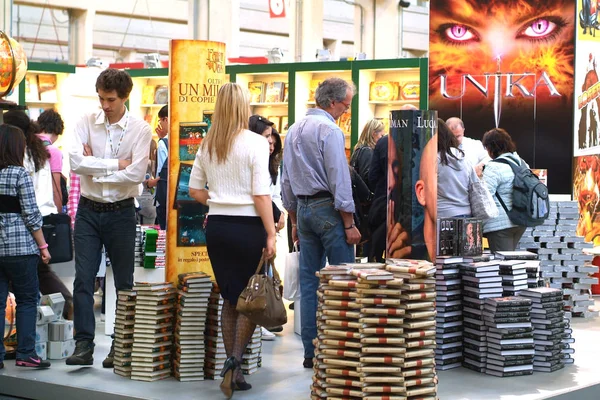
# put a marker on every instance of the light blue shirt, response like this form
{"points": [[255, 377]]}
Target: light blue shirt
{"points": [[314, 160], [162, 155]]}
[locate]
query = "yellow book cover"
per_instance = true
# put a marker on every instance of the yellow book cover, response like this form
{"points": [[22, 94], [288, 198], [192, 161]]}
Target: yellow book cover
{"points": [[274, 92], [148, 94], [31, 88], [47, 87], [383, 91], [276, 122], [286, 89], [257, 92], [314, 84], [410, 91]]}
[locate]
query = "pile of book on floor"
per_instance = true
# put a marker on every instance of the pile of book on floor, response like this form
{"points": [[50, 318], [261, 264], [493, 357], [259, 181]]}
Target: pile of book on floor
{"points": [[155, 244], [510, 344], [481, 280], [552, 334], [193, 291], [563, 263], [215, 348], [252, 358], [513, 270], [153, 331], [376, 332], [124, 326], [449, 307]]}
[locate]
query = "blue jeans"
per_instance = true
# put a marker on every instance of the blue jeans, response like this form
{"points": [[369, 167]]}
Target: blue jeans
{"points": [[116, 231], [321, 233], [22, 272]]}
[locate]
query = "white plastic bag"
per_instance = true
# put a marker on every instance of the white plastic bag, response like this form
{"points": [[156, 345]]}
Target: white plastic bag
{"points": [[291, 280]]}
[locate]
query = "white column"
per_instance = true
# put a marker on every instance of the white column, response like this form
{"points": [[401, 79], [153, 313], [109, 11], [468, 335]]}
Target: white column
{"points": [[306, 28], [6, 16], [387, 29], [198, 21], [224, 24], [81, 35], [367, 36]]}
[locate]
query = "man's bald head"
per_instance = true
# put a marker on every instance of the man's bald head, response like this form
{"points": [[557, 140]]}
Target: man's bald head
{"points": [[457, 127]]}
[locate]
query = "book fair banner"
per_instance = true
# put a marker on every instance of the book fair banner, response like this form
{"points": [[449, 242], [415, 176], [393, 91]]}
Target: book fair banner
{"points": [[197, 71], [586, 138], [508, 64], [412, 185]]}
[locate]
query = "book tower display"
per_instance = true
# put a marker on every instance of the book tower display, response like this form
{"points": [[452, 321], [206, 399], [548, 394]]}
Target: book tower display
{"points": [[375, 332], [563, 263], [215, 348], [124, 326], [252, 358], [193, 291], [509, 336], [153, 331]]}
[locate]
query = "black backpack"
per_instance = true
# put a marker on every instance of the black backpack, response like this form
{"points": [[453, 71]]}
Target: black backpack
{"points": [[531, 204]]}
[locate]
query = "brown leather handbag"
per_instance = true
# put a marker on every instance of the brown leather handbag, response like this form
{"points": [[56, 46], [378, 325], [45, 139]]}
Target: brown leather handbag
{"points": [[261, 301]]}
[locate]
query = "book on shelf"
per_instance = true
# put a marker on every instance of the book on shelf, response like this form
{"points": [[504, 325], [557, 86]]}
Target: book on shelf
{"points": [[410, 91], [47, 87], [314, 84], [284, 125], [148, 94], [276, 122], [274, 92], [31, 88], [257, 92], [384, 91]]}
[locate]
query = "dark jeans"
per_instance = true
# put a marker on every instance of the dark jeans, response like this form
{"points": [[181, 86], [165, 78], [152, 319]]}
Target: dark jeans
{"points": [[21, 271], [505, 239], [161, 216], [116, 231], [50, 283]]}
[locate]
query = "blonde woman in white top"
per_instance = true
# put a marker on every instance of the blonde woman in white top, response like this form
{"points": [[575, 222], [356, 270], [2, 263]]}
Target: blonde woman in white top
{"points": [[233, 162]]}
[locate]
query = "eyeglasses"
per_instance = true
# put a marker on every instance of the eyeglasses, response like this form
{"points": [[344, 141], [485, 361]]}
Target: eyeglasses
{"points": [[346, 105]]}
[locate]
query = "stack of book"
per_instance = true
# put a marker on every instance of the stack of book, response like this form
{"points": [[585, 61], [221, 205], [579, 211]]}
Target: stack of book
{"points": [[449, 307], [215, 348], [563, 263], [534, 278], [193, 291], [252, 358], [419, 327], [514, 277], [481, 280], [124, 327], [139, 246], [153, 331], [510, 346], [551, 335]]}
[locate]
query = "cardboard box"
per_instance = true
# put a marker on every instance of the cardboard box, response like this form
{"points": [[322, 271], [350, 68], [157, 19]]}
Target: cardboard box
{"points": [[59, 331], [56, 301], [61, 350], [41, 333], [45, 315], [42, 350]]}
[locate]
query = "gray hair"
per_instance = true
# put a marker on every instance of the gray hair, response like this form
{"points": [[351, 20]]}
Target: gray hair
{"points": [[333, 89]]}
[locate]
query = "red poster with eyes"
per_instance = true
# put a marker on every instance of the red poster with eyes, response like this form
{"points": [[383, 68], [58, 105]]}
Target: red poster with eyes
{"points": [[508, 64]]}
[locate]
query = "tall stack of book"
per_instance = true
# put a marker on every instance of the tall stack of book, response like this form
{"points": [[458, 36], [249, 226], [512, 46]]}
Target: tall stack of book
{"points": [[419, 327], [215, 348], [193, 291], [252, 358], [153, 331], [552, 336], [139, 246], [510, 347], [481, 280], [449, 307], [563, 263], [124, 327]]}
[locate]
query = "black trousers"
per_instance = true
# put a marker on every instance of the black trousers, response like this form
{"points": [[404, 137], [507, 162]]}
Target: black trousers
{"points": [[115, 230]]}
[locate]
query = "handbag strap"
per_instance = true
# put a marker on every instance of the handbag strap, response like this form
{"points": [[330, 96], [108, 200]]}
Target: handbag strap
{"points": [[266, 262]]}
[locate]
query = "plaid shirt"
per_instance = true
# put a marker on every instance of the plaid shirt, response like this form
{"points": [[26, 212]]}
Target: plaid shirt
{"points": [[74, 194], [15, 229]]}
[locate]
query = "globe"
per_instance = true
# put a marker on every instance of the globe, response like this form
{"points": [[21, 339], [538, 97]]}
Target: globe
{"points": [[13, 64]]}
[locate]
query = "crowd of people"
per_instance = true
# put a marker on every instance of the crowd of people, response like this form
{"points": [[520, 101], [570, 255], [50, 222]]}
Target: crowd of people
{"points": [[250, 180]]}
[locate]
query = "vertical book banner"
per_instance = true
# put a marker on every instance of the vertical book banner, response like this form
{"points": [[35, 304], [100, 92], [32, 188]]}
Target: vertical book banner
{"points": [[412, 185], [508, 64], [197, 71]]}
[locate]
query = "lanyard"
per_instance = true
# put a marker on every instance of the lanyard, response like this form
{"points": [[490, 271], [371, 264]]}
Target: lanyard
{"points": [[124, 130]]}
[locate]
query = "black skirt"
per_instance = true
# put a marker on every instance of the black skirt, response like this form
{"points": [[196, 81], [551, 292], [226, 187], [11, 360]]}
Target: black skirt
{"points": [[235, 245]]}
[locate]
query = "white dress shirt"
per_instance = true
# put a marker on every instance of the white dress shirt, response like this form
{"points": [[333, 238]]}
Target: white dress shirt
{"points": [[101, 179], [474, 151]]}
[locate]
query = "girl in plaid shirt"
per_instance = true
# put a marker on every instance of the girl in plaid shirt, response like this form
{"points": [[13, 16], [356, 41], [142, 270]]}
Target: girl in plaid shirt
{"points": [[21, 245]]}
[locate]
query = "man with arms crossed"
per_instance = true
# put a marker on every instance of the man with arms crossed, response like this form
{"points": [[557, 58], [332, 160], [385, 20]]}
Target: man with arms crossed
{"points": [[110, 153], [473, 148], [317, 193]]}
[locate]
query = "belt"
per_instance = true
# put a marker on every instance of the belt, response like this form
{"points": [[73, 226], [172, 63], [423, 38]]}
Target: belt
{"points": [[106, 207], [319, 195]]}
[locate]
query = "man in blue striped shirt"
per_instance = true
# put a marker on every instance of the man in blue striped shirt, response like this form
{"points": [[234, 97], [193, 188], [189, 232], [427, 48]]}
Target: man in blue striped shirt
{"points": [[317, 193]]}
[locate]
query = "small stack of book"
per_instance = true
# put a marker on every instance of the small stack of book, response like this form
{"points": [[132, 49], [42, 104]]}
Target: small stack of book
{"points": [[153, 331], [449, 327], [139, 246], [124, 325], [514, 277], [510, 347], [215, 348], [481, 280], [252, 358], [534, 278], [193, 292], [419, 327], [550, 335]]}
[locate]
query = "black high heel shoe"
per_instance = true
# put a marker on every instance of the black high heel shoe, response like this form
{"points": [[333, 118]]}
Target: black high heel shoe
{"points": [[228, 385], [241, 386]]}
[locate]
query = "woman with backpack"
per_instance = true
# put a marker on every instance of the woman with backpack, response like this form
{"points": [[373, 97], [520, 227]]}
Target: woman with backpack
{"points": [[502, 234]]}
